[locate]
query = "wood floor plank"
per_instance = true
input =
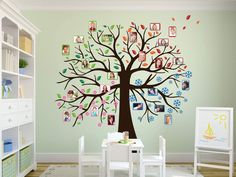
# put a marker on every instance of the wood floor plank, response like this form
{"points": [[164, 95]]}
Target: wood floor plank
{"points": [[206, 172]]}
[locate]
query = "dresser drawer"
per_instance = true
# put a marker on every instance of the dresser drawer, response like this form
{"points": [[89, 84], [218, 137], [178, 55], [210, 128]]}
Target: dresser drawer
{"points": [[25, 105], [25, 117], [8, 106], [8, 120]]}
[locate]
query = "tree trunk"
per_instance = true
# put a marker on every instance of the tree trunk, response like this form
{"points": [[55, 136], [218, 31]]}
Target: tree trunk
{"points": [[125, 119]]}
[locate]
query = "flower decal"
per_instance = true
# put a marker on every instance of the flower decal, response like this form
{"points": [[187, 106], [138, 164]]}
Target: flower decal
{"points": [[151, 118], [158, 79], [188, 74], [178, 93], [132, 98], [165, 90], [138, 82], [170, 110], [177, 103]]}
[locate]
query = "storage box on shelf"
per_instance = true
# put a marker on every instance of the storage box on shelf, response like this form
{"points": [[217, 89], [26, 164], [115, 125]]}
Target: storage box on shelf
{"points": [[17, 101]]}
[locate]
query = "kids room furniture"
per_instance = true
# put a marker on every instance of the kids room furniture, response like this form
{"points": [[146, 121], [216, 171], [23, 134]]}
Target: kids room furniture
{"points": [[119, 157], [17, 99], [214, 136], [87, 160], [136, 145], [159, 160]]}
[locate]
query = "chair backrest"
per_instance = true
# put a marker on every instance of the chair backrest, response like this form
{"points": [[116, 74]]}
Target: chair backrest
{"points": [[119, 153], [162, 148], [114, 136], [81, 148]]}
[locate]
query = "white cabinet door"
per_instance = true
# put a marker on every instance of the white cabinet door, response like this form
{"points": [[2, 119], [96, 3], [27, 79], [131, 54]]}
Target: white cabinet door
{"points": [[8, 106], [25, 117], [8, 120]]}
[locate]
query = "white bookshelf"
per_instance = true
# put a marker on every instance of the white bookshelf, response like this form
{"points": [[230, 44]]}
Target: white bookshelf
{"points": [[17, 106]]}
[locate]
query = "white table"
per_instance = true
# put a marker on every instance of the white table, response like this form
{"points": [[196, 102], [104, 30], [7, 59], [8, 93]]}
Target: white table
{"points": [[137, 145]]}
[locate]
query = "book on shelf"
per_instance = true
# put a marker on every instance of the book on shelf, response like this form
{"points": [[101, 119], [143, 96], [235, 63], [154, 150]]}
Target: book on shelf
{"points": [[21, 91], [9, 59]]}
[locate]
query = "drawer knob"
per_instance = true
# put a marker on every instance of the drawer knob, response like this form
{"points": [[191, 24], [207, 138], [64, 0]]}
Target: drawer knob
{"points": [[9, 107], [26, 117], [10, 120], [26, 106]]}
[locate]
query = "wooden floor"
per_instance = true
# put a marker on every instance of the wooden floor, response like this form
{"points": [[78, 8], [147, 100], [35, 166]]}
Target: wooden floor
{"points": [[206, 172]]}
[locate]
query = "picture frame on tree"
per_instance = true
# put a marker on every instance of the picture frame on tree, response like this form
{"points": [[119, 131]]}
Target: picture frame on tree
{"points": [[141, 56], [66, 116], [172, 31], [133, 37], [92, 25], [163, 42], [155, 26], [85, 64], [105, 88], [178, 60], [137, 106], [78, 39], [159, 108], [167, 119], [185, 85], [65, 49], [112, 75], [111, 120]]}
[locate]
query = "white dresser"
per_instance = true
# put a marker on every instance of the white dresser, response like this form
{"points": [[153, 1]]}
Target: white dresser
{"points": [[17, 98]]}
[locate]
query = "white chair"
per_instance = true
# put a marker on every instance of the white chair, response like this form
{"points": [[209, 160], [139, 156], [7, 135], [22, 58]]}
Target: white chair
{"points": [[114, 136], [159, 160], [119, 157], [87, 160]]}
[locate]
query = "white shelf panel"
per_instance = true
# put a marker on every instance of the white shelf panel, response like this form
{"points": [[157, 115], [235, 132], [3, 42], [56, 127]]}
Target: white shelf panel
{"points": [[9, 46], [22, 76], [9, 72], [25, 145], [9, 154], [25, 54]]}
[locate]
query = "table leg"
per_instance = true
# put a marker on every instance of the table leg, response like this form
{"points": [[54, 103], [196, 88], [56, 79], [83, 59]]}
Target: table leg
{"points": [[141, 163], [103, 162]]}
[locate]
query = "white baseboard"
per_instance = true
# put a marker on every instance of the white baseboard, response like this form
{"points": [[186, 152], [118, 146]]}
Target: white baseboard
{"points": [[73, 157]]}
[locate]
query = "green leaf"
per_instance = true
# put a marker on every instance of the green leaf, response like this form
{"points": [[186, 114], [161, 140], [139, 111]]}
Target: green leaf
{"points": [[92, 45], [104, 60], [77, 56], [99, 78], [117, 93], [122, 27], [86, 55], [116, 64], [89, 37], [107, 98], [81, 81], [86, 46], [117, 45], [64, 107], [88, 90], [97, 50], [112, 27], [100, 31], [93, 65], [97, 101], [107, 108], [78, 123], [104, 118], [104, 26], [116, 67], [109, 44], [120, 53], [73, 114], [58, 95], [64, 71], [106, 51], [113, 110], [85, 105]]}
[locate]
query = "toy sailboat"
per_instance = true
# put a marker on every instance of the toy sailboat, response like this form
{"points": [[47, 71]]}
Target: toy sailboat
{"points": [[209, 133]]}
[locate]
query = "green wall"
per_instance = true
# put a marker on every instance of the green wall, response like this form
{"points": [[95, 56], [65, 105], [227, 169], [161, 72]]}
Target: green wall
{"points": [[209, 51]]}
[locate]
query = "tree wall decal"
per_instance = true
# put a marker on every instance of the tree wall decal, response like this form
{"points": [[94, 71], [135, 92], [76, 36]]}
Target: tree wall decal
{"points": [[121, 53]]}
